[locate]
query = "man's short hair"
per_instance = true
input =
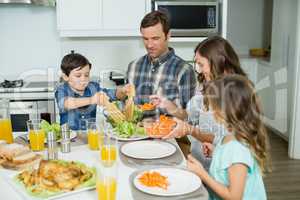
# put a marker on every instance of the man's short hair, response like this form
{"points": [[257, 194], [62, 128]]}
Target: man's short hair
{"points": [[155, 17]]}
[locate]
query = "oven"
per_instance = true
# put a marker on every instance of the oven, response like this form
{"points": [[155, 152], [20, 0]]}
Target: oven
{"points": [[23, 110]]}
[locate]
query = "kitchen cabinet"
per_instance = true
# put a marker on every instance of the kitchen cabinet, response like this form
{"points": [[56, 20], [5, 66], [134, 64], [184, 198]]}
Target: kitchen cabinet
{"points": [[97, 18]]}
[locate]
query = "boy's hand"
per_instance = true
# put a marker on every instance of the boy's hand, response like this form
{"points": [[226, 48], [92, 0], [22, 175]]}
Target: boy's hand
{"points": [[100, 98], [195, 166], [207, 149]]}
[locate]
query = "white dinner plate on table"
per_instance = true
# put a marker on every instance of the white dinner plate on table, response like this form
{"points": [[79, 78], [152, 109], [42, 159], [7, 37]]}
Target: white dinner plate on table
{"points": [[180, 182], [148, 149]]}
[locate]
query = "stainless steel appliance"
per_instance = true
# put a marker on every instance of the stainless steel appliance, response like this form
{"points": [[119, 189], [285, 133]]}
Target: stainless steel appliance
{"points": [[117, 77], [22, 86], [28, 100], [190, 18], [24, 110]]}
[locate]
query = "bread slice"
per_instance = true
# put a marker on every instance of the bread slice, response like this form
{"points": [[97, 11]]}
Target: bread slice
{"points": [[2, 142], [9, 151], [23, 158], [22, 163]]}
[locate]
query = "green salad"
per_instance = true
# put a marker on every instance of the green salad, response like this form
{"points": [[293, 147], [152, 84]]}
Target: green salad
{"points": [[128, 129], [54, 127]]}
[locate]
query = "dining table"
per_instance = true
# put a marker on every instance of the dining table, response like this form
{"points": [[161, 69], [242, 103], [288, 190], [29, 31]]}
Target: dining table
{"points": [[127, 168]]}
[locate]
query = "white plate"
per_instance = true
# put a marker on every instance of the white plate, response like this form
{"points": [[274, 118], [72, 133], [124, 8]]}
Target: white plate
{"points": [[148, 149], [132, 138], [180, 182]]}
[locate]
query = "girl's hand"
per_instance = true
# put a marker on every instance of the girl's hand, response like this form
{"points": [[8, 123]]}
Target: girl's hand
{"points": [[100, 98], [195, 166], [181, 129], [207, 149]]}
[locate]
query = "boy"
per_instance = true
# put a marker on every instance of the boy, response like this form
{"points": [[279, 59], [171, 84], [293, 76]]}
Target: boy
{"points": [[78, 97]]}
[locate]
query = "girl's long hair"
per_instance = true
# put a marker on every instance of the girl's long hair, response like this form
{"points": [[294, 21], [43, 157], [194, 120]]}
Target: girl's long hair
{"points": [[221, 56], [233, 97]]}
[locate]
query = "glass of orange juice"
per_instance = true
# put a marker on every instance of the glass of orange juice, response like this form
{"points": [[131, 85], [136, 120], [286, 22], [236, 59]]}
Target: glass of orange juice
{"points": [[36, 135], [109, 151], [5, 122], [95, 134], [106, 185]]}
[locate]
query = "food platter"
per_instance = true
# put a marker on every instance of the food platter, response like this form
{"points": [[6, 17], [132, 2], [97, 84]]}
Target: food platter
{"points": [[37, 189]]}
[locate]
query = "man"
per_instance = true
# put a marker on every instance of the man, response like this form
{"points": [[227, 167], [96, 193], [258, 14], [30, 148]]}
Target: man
{"points": [[160, 71]]}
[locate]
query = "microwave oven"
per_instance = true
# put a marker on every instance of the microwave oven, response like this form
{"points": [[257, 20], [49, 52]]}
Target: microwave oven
{"points": [[190, 18]]}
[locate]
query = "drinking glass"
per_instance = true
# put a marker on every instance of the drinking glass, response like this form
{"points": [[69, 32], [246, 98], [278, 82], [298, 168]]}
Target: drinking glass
{"points": [[106, 185], [109, 151], [36, 135], [5, 122], [95, 134]]}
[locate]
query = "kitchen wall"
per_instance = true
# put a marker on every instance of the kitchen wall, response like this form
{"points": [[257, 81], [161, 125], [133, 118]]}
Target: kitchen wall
{"points": [[245, 24], [116, 53], [29, 42], [29, 32]]}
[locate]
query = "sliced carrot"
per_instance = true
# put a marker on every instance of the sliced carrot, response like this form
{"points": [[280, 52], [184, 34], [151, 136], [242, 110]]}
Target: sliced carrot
{"points": [[147, 106], [154, 179], [161, 128]]}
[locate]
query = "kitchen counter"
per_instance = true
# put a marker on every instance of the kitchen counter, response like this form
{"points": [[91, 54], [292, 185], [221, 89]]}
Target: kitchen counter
{"points": [[30, 90], [27, 95]]}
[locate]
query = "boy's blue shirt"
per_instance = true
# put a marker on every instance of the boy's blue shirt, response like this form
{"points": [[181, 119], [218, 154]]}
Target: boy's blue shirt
{"points": [[73, 117]]}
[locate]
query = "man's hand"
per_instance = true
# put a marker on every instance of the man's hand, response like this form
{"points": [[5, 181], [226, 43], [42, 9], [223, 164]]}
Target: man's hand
{"points": [[163, 103], [126, 90]]}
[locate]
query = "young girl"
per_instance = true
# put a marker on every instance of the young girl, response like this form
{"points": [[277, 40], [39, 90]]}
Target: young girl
{"points": [[240, 157]]}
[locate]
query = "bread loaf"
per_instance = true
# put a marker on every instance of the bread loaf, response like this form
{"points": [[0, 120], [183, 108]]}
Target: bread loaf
{"points": [[9, 151], [17, 156]]}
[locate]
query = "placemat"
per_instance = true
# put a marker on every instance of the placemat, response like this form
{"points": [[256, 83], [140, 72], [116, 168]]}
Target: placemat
{"points": [[200, 194], [172, 160]]}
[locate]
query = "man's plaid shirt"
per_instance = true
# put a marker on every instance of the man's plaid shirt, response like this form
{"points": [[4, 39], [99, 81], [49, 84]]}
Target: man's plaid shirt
{"points": [[168, 75]]}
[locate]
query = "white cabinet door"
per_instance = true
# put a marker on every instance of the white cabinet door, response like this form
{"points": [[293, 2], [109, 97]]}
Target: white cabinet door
{"points": [[79, 14], [86, 18], [123, 15]]}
